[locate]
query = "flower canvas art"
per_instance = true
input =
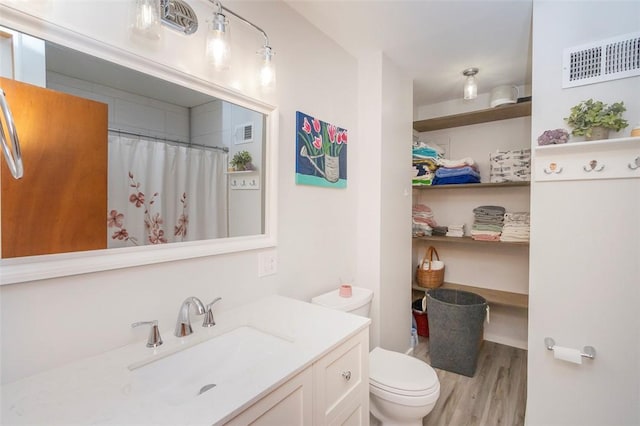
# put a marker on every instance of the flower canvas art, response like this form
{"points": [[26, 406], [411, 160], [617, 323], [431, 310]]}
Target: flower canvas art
{"points": [[321, 153]]}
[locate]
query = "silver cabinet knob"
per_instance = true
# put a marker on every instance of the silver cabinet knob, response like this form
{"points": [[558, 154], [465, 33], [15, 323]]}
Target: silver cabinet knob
{"points": [[346, 375]]}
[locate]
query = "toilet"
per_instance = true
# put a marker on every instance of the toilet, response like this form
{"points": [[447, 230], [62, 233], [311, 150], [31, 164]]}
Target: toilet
{"points": [[402, 389]]}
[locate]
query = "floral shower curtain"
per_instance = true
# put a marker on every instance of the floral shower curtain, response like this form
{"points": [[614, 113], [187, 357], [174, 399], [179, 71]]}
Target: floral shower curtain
{"points": [[162, 193]]}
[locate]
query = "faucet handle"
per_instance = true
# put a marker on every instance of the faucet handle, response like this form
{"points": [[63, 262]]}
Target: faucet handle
{"points": [[208, 316], [154, 339]]}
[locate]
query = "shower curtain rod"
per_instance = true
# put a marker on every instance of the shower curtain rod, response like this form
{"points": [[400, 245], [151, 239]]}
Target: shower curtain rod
{"points": [[172, 141]]}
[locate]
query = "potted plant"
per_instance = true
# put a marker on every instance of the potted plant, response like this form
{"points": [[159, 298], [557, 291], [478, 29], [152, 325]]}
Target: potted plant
{"points": [[241, 161], [588, 116]]}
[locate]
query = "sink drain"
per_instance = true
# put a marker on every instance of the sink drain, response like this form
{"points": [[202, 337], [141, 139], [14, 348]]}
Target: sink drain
{"points": [[206, 388]]}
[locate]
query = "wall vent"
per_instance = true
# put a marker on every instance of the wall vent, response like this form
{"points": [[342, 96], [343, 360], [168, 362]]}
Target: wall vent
{"points": [[244, 133], [609, 59]]}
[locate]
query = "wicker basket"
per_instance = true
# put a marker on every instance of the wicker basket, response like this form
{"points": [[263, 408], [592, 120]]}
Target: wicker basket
{"points": [[429, 278]]}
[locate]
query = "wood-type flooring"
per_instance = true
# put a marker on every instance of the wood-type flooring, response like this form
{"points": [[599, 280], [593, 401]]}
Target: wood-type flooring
{"points": [[496, 395]]}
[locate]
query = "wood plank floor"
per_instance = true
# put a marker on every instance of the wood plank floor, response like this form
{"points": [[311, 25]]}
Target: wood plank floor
{"points": [[496, 395]]}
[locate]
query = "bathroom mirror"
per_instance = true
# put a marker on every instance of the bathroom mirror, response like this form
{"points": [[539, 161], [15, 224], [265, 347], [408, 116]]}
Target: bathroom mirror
{"points": [[148, 110]]}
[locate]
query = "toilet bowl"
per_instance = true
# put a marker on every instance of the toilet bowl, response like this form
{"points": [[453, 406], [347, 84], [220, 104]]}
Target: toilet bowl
{"points": [[402, 389]]}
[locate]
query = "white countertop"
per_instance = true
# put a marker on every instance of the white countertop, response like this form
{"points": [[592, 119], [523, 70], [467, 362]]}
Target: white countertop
{"points": [[103, 390]]}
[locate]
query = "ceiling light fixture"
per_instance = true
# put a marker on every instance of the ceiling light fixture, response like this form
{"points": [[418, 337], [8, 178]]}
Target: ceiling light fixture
{"points": [[470, 84]]}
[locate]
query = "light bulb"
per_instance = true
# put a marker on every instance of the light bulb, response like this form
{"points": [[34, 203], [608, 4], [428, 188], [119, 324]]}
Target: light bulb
{"points": [[217, 48], [267, 76], [470, 88], [146, 19]]}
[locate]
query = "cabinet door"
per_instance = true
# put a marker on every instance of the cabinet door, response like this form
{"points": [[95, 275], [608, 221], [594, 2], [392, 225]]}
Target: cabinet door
{"points": [[584, 291], [291, 404], [60, 205], [341, 384]]}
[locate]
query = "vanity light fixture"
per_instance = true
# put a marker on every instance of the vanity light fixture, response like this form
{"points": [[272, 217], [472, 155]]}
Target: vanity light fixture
{"points": [[218, 50], [267, 74], [179, 16], [145, 20], [470, 84], [217, 47]]}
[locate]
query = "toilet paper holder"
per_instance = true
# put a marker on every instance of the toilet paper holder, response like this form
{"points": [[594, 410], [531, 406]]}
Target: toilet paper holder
{"points": [[587, 351]]}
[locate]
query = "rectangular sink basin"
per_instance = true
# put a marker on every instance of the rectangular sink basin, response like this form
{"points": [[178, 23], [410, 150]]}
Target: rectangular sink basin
{"points": [[184, 375]]}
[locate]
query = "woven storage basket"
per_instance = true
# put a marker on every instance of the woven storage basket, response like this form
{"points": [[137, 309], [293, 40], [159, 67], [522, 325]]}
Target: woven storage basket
{"points": [[429, 278]]}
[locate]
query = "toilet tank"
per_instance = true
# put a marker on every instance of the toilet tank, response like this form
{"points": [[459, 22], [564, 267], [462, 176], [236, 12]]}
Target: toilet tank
{"points": [[359, 303]]}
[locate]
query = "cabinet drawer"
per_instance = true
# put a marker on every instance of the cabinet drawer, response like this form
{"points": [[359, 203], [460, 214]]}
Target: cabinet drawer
{"points": [[342, 375]]}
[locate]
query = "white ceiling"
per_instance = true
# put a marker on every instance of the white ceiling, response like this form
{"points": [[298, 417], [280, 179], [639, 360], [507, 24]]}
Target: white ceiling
{"points": [[433, 41]]}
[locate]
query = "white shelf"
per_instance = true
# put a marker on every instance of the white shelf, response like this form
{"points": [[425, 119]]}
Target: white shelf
{"points": [[602, 159], [587, 146], [240, 172], [491, 295]]}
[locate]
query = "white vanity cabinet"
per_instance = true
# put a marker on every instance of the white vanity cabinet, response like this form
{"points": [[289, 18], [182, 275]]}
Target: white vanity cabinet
{"points": [[334, 391], [290, 404]]}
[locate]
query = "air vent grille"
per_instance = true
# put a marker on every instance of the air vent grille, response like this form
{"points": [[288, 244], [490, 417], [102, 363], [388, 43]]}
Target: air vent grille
{"points": [[248, 133], [606, 60], [244, 133]]}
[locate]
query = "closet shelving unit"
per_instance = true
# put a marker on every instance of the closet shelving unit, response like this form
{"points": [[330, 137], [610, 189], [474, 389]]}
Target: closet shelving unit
{"points": [[522, 109]]}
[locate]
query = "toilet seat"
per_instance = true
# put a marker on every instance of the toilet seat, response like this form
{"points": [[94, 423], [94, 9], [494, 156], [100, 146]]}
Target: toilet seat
{"points": [[402, 378]]}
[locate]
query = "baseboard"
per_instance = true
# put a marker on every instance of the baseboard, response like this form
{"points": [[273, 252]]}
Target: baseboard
{"points": [[516, 343]]}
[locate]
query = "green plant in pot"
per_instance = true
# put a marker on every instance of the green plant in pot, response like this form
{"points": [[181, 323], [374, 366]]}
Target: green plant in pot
{"points": [[593, 119], [242, 161]]}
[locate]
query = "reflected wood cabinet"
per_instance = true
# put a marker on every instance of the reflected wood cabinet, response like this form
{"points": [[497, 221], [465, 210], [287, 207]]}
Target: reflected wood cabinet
{"points": [[60, 204]]}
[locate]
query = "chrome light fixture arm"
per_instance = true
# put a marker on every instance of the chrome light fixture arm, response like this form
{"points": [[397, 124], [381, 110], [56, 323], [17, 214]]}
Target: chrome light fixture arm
{"points": [[220, 7]]}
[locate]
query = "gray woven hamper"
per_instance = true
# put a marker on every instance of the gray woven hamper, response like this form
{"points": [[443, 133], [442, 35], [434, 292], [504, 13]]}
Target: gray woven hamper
{"points": [[456, 327]]}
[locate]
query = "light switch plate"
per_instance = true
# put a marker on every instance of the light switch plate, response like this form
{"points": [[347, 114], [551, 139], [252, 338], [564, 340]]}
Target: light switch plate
{"points": [[267, 263]]}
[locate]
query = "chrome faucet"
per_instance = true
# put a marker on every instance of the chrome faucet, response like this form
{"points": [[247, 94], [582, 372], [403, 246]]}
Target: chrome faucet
{"points": [[208, 316], [183, 324]]}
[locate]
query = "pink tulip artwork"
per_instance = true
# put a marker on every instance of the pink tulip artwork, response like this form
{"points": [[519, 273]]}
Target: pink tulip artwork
{"points": [[321, 153]]}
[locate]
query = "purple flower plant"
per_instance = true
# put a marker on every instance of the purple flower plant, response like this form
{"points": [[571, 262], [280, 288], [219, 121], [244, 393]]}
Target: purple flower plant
{"points": [[552, 137]]}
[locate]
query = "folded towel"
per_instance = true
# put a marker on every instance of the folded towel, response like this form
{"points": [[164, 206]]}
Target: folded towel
{"points": [[424, 152], [467, 161], [458, 171], [452, 180]]}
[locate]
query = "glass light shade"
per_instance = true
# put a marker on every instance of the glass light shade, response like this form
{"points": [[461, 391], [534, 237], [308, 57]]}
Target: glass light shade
{"points": [[146, 19], [267, 71], [470, 88], [217, 48]]}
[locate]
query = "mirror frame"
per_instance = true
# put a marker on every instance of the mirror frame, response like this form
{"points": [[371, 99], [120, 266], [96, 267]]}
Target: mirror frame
{"points": [[32, 268]]}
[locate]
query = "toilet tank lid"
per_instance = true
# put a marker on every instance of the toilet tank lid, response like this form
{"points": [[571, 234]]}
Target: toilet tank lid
{"points": [[360, 297]]}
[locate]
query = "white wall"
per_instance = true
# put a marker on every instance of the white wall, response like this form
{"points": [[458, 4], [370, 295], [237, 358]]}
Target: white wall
{"points": [[384, 197], [22, 57], [395, 192], [218, 123], [584, 248], [128, 111], [53, 322]]}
